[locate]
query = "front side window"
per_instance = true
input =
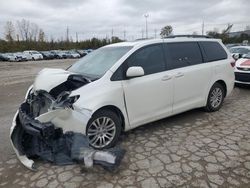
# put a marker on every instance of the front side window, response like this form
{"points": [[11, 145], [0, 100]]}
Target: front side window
{"points": [[182, 54], [98, 62], [150, 58]]}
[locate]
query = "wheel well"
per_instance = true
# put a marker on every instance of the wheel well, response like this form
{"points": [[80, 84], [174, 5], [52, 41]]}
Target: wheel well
{"points": [[221, 82], [117, 111]]}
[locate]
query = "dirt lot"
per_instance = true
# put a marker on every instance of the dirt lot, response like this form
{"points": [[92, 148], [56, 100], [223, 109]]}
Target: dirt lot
{"points": [[193, 149]]}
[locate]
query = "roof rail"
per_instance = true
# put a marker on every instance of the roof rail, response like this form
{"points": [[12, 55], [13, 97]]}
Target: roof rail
{"points": [[190, 36], [144, 39]]}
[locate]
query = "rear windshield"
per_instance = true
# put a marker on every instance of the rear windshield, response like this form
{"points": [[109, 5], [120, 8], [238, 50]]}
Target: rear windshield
{"points": [[213, 51]]}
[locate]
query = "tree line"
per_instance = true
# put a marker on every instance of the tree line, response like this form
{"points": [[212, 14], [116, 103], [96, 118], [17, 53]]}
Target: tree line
{"points": [[224, 35], [25, 35]]}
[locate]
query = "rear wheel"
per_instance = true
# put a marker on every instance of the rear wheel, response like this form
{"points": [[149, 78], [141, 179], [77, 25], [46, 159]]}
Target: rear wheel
{"points": [[103, 129], [215, 98]]}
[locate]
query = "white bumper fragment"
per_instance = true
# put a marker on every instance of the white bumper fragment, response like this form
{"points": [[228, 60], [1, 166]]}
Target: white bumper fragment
{"points": [[67, 119], [22, 158]]}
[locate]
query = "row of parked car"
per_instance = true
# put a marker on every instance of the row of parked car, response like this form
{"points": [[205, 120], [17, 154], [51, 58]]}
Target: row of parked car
{"points": [[40, 55], [241, 54]]}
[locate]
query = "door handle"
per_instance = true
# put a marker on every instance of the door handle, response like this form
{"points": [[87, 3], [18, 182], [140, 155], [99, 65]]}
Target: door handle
{"points": [[165, 78], [179, 74]]}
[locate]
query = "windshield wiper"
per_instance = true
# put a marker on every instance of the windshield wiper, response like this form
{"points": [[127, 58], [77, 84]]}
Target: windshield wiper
{"points": [[79, 78]]}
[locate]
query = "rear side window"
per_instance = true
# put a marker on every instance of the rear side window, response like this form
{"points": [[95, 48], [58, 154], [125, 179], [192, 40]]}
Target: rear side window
{"points": [[182, 54], [150, 58], [213, 51]]}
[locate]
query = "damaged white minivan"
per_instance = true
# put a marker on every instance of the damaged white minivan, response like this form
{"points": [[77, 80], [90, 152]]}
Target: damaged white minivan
{"points": [[122, 86]]}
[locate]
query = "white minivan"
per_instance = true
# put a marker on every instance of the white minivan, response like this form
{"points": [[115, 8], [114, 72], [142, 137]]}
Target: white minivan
{"points": [[122, 86]]}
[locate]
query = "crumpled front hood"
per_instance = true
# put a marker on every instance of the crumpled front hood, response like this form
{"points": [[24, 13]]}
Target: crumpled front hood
{"points": [[49, 78]]}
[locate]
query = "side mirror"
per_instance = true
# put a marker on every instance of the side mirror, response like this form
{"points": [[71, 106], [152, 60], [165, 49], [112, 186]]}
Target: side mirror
{"points": [[134, 72], [237, 56]]}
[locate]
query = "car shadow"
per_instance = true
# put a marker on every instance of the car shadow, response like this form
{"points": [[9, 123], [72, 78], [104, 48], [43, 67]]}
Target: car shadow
{"points": [[181, 120], [242, 86]]}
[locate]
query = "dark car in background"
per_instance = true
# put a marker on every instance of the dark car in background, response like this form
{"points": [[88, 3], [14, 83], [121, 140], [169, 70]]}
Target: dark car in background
{"points": [[58, 54], [3, 57], [82, 52], [47, 55]]}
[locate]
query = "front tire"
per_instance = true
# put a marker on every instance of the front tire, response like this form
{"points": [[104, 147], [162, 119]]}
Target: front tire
{"points": [[103, 129], [215, 98]]}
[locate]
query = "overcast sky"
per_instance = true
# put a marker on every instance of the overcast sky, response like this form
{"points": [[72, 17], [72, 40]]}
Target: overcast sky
{"points": [[96, 18]]}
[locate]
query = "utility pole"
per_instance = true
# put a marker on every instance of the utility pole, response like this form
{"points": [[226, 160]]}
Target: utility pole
{"points": [[202, 29], [124, 35], [76, 37], [155, 32], [67, 34], [146, 18], [112, 33]]}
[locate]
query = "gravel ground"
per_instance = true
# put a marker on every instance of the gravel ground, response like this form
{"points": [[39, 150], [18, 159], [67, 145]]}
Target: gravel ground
{"points": [[193, 149]]}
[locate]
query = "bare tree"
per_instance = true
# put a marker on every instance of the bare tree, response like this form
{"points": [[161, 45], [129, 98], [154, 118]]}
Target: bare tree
{"points": [[33, 32], [41, 35], [24, 29], [166, 31], [9, 31]]}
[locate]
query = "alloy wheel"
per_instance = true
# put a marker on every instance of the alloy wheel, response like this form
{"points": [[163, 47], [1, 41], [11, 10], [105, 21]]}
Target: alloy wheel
{"points": [[216, 97], [101, 132]]}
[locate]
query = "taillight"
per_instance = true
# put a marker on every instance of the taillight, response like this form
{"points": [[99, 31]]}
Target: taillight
{"points": [[233, 63]]}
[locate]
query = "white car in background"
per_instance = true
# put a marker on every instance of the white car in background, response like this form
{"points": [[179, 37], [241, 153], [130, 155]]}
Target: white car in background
{"points": [[20, 56], [72, 54], [33, 55], [242, 70], [122, 86], [10, 56]]}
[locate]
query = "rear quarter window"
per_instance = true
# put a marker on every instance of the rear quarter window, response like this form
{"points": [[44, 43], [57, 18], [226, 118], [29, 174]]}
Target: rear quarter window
{"points": [[213, 51]]}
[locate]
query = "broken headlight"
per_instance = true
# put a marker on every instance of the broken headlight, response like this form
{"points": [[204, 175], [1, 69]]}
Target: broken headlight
{"points": [[64, 100]]}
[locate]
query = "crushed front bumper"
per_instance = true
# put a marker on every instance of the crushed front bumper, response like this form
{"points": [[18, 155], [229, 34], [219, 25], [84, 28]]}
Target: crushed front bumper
{"points": [[46, 128], [15, 142], [32, 138]]}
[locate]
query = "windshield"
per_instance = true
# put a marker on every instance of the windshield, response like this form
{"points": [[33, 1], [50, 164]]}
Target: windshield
{"points": [[239, 50], [98, 62], [247, 56]]}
